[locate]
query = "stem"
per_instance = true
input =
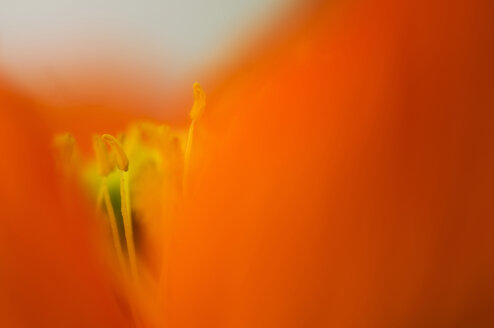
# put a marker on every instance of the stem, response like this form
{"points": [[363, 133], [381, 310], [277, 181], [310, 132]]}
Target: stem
{"points": [[113, 223], [127, 221]]}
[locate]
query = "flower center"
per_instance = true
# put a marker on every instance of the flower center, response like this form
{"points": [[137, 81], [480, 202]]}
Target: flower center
{"points": [[136, 179]]}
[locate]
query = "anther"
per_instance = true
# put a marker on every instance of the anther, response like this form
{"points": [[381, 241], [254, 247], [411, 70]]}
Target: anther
{"points": [[199, 102], [102, 156], [195, 113], [122, 160]]}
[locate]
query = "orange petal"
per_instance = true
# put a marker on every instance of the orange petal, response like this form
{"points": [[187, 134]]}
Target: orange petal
{"points": [[50, 272], [345, 179]]}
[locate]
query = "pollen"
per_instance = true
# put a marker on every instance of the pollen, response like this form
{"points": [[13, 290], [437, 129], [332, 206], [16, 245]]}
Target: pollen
{"points": [[199, 102], [195, 113], [102, 156], [122, 160]]}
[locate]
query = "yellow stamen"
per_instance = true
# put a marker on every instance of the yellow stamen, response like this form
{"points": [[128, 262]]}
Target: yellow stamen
{"points": [[188, 146], [195, 113], [123, 166], [102, 157], [122, 160], [199, 102], [127, 220], [99, 198], [113, 224]]}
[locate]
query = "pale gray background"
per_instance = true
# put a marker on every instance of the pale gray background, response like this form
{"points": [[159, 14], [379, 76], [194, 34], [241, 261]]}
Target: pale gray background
{"points": [[186, 35]]}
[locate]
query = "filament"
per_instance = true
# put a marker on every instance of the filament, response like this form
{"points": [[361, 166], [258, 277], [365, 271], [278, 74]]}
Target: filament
{"points": [[127, 221], [113, 223], [195, 113]]}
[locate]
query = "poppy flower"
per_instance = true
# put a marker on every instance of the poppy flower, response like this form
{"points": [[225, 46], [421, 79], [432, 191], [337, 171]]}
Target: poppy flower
{"points": [[340, 177]]}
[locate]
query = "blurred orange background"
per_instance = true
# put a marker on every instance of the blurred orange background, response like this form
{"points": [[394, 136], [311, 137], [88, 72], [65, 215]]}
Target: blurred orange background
{"points": [[342, 178]]}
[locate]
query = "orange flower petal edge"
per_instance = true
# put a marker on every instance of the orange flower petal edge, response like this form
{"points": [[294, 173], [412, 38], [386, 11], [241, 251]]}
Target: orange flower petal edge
{"points": [[51, 274], [344, 179]]}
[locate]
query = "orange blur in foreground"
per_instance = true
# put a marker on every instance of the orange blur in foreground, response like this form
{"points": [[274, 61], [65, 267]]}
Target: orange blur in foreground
{"points": [[342, 179]]}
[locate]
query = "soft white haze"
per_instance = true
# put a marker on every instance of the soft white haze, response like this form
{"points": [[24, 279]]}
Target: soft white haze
{"points": [[186, 35]]}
